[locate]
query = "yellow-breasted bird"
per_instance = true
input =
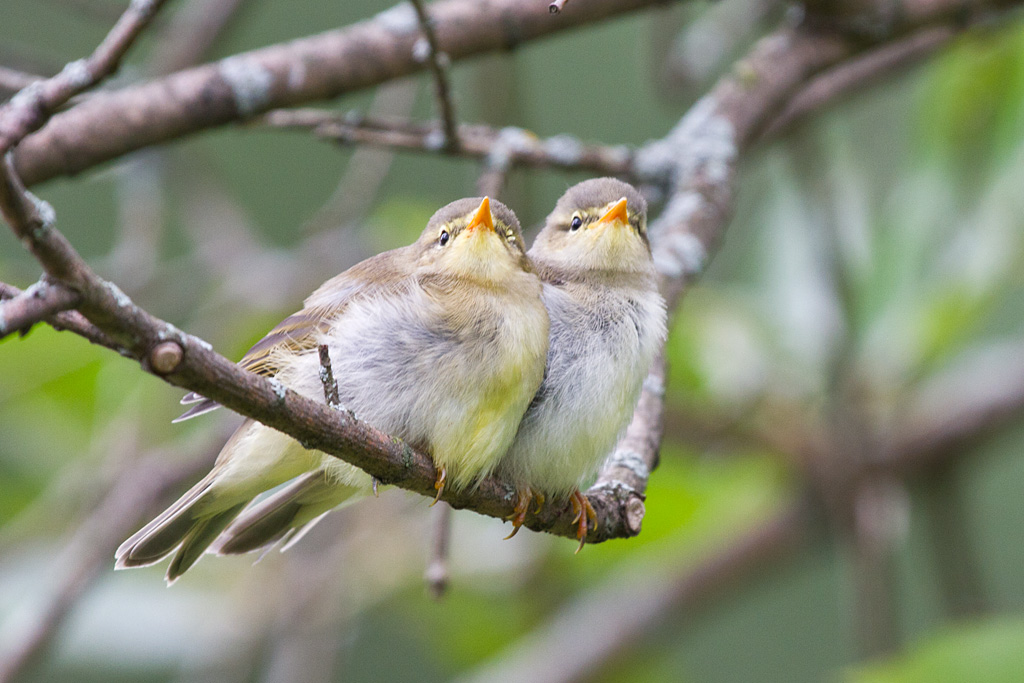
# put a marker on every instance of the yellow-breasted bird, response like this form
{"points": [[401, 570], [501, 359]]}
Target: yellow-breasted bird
{"points": [[441, 343], [607, 324]]}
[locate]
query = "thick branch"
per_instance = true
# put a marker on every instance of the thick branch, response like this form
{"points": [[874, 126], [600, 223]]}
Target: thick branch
{"points": [[316, 68]]}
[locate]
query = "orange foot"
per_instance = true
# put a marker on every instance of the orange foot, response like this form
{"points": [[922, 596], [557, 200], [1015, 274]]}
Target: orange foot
{"points": [[585, 515], [523, 498], [442, 477]]}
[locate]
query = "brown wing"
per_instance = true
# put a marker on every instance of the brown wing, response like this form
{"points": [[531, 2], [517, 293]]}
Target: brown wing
{"points": [[301, 331], [296, 333]]}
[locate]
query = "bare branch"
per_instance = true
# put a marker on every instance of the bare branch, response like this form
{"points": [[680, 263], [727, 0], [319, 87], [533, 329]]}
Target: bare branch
{"points": [[327, 378], [38, 302], [70, 321], [500, 147], [320, 67], [436, 573], [438, 62], [31, 107], [831, 86]]}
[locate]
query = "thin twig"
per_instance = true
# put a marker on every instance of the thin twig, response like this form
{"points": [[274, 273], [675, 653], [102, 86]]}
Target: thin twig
{"points": [[327, 378], [504, 146], [436, 573], [438, 61]]}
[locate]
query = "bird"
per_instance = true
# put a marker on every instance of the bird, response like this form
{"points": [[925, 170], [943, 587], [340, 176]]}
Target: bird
{"points": [[608, 321], [441, 343]]}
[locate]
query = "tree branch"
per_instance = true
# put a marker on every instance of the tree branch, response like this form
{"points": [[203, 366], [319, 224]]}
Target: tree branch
{"points": [[511, 146], [320, 67], [438, 62], [831, 86], [38, 302], [70, 321]]}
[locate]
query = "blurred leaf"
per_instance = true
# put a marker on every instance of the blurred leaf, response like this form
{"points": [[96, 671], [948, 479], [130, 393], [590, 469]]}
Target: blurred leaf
{"points": [[971, 111], [947, 321], [983, 652]]}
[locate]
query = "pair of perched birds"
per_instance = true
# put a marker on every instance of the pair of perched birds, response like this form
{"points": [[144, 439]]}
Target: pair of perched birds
{"points": [[489, 358]]}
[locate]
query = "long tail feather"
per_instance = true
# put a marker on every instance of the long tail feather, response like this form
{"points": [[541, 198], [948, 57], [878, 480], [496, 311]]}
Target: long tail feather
{"points": [[284, 516], [197, 540], [160, 537]]}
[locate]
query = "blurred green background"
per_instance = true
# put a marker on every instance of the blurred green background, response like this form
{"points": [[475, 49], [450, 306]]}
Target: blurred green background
{"points": [[876, 252]]}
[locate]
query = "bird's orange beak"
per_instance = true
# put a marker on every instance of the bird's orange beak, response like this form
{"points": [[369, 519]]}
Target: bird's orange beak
{"points": [[482, 217], [617, 213]]}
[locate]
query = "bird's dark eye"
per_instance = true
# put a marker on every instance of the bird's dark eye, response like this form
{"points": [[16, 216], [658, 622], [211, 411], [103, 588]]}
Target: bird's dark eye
{"points": [[576, 223], [443, 239]]}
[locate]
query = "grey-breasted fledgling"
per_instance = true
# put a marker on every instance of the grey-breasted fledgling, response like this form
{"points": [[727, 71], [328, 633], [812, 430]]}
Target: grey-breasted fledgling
{"points": [[607, 324], [441, 343]]}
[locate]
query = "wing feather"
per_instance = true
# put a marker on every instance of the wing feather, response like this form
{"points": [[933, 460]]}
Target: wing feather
{"points": [[302, 331]]}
